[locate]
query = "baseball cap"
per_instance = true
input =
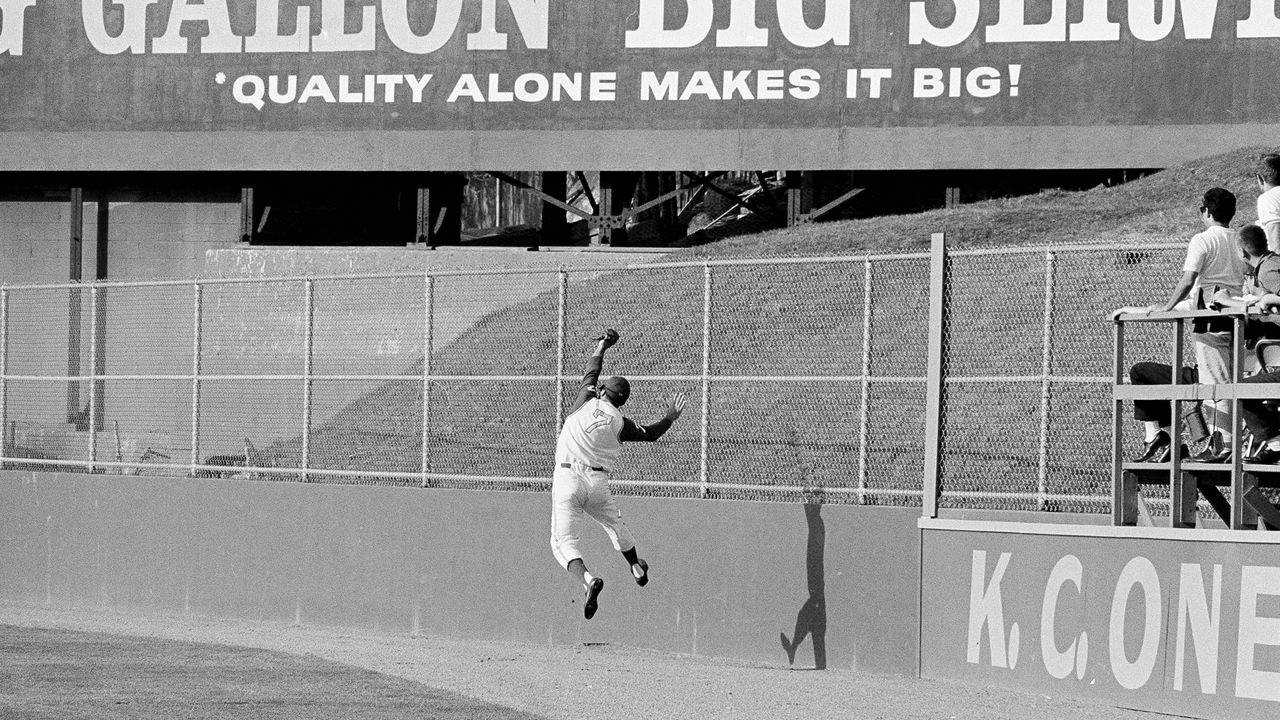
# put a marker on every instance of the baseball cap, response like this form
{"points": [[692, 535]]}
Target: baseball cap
{"points": [[617, 387]]}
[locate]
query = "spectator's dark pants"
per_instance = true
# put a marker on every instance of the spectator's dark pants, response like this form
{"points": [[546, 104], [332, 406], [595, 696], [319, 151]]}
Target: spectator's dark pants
{"points": [[1262, 421], [1149, 373]]}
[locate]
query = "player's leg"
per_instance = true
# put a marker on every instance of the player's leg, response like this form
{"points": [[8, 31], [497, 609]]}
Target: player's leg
{"points": [[604, 510], [568, 496]]}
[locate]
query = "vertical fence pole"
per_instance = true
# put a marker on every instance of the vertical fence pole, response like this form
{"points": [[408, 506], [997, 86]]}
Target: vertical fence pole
{"points": [[1123, 507], [428, 305], [4, 371], [706, 377], [307, 340], [1050, 260], [562, 297], [934, 382], [197, 301], [93, 383], [864, 414]]}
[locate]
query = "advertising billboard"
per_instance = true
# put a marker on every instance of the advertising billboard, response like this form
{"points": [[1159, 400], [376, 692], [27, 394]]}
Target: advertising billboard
{"points": [[632, 84], [1177, 621]]}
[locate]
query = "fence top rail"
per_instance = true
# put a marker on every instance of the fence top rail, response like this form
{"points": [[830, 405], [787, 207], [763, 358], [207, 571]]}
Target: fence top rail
{"points": [[739, 262], [1175, 315], [706, 262], [1067, 248]]}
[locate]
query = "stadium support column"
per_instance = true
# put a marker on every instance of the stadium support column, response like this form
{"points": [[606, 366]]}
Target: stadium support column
{"points": [[554, 224], [100, 311], [246, 214], [799, 197], [74, 307], [616, 189], [440, 210]]}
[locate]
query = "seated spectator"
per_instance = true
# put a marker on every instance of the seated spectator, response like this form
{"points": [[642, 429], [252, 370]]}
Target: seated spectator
{"points": [[1213, 264]]}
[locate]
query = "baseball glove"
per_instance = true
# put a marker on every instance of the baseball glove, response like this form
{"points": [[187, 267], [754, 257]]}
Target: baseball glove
{"points": [[610, 337]]}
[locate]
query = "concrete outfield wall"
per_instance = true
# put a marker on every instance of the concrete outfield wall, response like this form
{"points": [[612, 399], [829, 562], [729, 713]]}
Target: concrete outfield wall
{"points": [[728, 577], [1173, 621]]}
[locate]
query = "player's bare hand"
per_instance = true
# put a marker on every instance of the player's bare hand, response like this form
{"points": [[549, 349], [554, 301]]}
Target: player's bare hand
{"points": [[675, 405], [609, 338]]}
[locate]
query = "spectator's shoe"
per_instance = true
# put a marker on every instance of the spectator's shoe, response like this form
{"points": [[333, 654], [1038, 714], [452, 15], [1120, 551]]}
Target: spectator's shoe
{"points": [[1214, 451], [1155, 448], [1267, 456], [640, 571], [1163, 456], [593, 592]]}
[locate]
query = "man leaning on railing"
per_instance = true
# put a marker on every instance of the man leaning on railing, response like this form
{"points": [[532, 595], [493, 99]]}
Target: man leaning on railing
{"points": [[1213, 264]]}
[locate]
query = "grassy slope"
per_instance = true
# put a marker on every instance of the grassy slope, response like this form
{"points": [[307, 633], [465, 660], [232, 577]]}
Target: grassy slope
{"points": [[805, 321]]}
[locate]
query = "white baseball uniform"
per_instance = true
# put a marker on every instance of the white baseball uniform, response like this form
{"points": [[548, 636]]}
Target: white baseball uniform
{"points": [[586, 452]]}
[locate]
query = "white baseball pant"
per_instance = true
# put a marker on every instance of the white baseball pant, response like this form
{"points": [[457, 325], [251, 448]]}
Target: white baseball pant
{"points": [[576, 491]]}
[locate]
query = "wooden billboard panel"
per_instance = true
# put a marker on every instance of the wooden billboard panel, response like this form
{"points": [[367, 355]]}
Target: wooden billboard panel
{"points": [[641, 84]]}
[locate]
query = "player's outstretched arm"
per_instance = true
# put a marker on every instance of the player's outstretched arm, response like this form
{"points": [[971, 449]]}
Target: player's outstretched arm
{"points": [[631, 432], [587, 388]]}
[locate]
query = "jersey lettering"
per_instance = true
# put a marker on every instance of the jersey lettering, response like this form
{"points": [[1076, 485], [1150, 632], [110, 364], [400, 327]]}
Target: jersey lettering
{"points": [[604, 420]]}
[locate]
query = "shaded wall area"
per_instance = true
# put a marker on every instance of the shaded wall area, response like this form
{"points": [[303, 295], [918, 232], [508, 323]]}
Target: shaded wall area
{"points": [[729, 579]]}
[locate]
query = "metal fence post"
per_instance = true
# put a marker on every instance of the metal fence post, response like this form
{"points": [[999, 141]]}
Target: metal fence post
{"points": [[864, 414], [1046, 359], [93, 383], [934, 382], [562, 293], [428, 313], [706, 377], [4, 371], [196, 348], [307, 340]]}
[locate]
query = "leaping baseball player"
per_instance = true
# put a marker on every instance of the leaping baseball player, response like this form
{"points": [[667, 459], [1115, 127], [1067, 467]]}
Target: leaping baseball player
{"points": [[586, 451]]}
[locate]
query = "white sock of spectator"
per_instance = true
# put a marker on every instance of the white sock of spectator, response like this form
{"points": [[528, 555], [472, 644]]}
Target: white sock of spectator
{"points": [[1274, 443], [1152, 428]]}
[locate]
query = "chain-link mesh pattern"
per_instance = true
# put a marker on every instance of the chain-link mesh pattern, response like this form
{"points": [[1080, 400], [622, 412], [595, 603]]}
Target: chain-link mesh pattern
{"points": [[1027, 408], [806, 378]]}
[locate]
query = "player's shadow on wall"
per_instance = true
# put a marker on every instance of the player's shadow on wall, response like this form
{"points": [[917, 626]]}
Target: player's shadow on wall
{"points": [[812, 618]]}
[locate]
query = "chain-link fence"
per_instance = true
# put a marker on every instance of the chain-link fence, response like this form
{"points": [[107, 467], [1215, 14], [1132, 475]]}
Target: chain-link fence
{"points": [[806, 376], [1027, 400]]}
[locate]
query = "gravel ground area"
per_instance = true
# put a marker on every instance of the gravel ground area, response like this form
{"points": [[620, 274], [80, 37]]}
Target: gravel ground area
{"points": [[580, 682]]}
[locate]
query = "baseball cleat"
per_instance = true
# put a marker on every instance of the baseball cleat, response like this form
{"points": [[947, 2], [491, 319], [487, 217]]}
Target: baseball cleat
{"points": [[593, 592], [640, 571]]}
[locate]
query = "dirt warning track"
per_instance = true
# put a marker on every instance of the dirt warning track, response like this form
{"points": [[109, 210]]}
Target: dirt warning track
{"points": [[573, 682]]}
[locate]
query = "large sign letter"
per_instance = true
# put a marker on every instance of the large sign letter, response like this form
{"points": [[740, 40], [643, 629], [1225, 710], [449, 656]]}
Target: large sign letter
{"points": [[986, 607], [531, 17], [1194, 607], [1061, 663], [266, 37], [1013, 26], [652, 30], [742, 30], [133, 30], [920, 30], [13, 20], [333, 35], [395, 17], [1254, 631], [1133, 675], [834, 29], [213, 14]]}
